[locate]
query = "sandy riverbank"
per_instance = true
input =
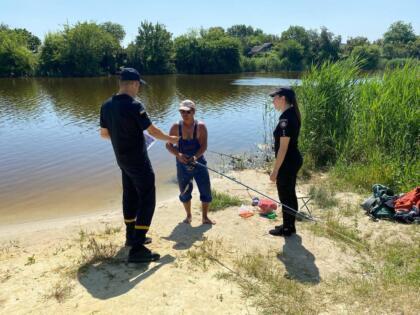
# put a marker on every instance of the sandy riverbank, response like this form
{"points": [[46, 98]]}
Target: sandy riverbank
{"points": [[56, 267]]}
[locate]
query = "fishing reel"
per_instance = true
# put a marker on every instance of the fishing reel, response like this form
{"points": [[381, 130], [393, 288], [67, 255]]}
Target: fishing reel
{"points": [[191, 164]]}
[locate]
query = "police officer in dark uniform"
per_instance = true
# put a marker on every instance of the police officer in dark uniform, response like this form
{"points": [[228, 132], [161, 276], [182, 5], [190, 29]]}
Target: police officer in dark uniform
{"points": [[288, 158], [123, 120]]}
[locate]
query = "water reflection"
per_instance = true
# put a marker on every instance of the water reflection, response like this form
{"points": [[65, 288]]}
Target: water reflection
{"points": [[78, 99], [52, 160], [20, 99]]}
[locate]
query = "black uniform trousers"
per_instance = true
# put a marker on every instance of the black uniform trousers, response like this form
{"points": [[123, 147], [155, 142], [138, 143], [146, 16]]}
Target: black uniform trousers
{"points": [[139, 200], [286, 188]]}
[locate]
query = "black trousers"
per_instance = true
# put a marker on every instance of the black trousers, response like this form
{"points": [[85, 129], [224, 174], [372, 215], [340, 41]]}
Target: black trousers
{"points": [[139, 200], [286, 188]]}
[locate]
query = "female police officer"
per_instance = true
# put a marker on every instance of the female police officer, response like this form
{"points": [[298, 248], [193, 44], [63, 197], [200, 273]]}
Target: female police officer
{"points": [[288, 158]]}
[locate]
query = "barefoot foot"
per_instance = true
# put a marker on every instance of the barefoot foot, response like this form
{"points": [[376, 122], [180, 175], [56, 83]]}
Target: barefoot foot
{"points": [[187, 220], [208, 221]]}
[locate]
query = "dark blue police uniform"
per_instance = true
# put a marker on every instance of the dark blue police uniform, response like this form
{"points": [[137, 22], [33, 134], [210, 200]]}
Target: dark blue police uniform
{"points": [[126, 119], [288, 126]]}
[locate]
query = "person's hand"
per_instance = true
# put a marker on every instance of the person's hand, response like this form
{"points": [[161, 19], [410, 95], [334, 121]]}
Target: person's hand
{"points": [[273, 176], [182, 158], [191, 159], [173, 139]]}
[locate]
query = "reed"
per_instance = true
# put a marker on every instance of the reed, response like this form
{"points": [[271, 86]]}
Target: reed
{"points": [[366, 130]]}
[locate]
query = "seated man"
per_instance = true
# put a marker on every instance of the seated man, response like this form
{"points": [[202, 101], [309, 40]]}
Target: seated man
{"points": [[191, 146]]}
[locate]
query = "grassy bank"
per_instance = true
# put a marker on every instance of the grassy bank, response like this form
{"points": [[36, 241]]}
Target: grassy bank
{"points": [[365, 130]]}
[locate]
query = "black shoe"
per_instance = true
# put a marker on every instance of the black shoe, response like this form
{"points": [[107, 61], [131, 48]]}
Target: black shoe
{"points": [[292, 229], [141, 254], [282, 231], [129, 242]]}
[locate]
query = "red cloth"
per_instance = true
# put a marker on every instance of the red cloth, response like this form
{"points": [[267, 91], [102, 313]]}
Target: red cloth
{"points": [[267, 206], [408, 200]]}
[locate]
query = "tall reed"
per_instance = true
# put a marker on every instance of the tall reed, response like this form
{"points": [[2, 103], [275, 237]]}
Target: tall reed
{"points": [[367, 129]]}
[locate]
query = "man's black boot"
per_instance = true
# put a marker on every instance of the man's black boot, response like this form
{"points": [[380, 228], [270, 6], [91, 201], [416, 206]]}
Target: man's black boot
{"points": [[141, 254], [282, 231]]}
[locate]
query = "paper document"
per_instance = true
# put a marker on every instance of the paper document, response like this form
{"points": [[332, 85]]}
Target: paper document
{"points": [[149, 140]]}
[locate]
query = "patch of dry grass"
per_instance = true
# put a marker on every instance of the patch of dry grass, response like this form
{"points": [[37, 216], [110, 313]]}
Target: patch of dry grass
{"points": [[94, 252], [61, 291], [205, 254]]}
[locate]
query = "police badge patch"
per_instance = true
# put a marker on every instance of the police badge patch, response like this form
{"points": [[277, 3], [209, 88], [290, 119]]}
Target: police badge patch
{"points": [[283, 123]]}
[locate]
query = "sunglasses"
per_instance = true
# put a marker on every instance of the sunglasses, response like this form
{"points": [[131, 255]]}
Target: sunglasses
{"points": [[185, 112]]}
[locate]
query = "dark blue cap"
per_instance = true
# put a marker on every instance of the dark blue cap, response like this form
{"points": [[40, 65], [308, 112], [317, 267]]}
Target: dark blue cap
{"points": [[131, 74], [283, 91]]}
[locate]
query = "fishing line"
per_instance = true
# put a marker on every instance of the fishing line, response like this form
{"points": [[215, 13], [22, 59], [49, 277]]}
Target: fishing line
{"points": [[227, 155], [286, 208]]}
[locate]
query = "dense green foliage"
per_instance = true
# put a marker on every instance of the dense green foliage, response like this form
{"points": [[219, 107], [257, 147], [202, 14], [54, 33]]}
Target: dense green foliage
{"points": [[87, 49], [90, 49], [152, 50], [17, 48], [211, 52], [367, 129]]}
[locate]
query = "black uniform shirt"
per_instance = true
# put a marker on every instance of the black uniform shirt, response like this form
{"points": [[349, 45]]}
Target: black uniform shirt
{"points": [[288, 126], [125, 118]]}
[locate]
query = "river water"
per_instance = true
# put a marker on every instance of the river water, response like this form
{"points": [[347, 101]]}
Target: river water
{"points": [[53, 162]]}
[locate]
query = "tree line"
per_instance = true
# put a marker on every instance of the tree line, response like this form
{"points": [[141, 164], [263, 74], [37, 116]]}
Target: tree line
{"points": [[92, 49]]}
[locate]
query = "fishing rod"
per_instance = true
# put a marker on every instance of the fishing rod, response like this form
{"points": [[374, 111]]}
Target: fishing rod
{"points": [[285, 207], [224, 154], [288, 209]]}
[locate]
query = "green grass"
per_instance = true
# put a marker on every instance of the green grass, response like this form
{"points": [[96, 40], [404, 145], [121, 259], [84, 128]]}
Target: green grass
{"points": [[383, 280], [332, 228], [30, 260], [205, 254], [323, 197], [262, 280], [223, 200], [365, 129]]}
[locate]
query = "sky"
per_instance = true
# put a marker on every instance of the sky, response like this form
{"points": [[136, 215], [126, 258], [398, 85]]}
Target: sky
{"points": [[369, 18]]}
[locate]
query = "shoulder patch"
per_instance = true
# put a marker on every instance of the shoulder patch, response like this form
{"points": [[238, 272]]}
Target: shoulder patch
{"points": [[283, 123]]}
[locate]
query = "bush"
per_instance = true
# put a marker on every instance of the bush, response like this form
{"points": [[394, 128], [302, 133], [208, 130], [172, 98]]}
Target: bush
{"points": [[15, 58]]}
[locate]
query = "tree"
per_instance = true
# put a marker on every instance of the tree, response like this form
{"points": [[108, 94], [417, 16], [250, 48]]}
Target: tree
{"points": [[242, 31], [398, 41], [297, 34], [32, 41], [368, 54], [153, 49], [303, 37], [15, 57], [208, 54], [213, 33], [85, 49], [326, 46], [89, 50], [116, 30], [187, 54], [399, 33], [353, 42], [291, 54], [51, 57], [414, 48]]}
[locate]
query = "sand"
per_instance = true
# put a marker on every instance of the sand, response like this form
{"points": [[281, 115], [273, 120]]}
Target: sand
{"points": [[42, 269]]}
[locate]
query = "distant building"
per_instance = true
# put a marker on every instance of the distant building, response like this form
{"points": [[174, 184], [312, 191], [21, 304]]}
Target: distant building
{"points": [[259, 49]]}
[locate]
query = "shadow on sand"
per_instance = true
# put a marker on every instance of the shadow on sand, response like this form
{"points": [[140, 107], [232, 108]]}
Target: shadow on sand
{"points": [[186, 235], [299, 262], [116, 277]]}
